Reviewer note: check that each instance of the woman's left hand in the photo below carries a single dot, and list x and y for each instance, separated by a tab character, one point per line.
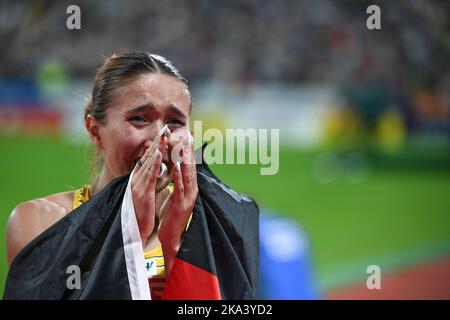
177	209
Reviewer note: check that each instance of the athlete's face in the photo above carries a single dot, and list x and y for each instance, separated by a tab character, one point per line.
135	117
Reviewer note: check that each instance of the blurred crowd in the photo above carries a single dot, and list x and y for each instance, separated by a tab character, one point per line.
287	40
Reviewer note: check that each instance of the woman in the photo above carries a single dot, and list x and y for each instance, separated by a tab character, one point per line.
134	97
199	238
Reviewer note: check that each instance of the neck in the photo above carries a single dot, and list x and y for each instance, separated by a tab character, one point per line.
101	181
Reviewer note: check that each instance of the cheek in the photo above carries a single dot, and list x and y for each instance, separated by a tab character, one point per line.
122	146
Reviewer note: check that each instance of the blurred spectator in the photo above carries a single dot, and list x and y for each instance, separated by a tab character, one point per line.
236	40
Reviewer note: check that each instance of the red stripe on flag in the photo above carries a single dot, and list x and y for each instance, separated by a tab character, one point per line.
188	282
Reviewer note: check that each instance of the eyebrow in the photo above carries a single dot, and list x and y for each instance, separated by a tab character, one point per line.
148	106
177	111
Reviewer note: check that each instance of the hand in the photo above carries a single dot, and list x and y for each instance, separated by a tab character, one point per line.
143	188
178	207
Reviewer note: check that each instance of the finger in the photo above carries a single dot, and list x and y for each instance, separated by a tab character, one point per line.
188	167
185	166
192	152
162	148
153	173
188	148
178	183
166	206
163	144
159	138
168	134
142	161
148	157
156	143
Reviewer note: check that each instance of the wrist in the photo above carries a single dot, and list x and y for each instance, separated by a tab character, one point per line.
170	251
144	234
171	244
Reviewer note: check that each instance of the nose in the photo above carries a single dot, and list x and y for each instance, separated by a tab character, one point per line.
152	133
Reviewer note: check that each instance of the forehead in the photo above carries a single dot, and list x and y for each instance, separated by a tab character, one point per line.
159	90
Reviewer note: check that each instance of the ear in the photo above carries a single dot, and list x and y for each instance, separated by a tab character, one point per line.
93	128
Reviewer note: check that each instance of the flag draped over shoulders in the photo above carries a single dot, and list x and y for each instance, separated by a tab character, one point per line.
218	257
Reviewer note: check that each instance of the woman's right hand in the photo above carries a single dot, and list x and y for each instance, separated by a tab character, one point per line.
143	186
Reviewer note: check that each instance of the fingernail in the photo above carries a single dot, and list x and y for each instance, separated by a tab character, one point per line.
158	154
177	166
163	131
162	169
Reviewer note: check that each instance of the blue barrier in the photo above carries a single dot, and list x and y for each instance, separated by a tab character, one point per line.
286	268
19	92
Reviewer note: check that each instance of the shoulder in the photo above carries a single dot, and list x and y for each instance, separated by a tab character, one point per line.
31	218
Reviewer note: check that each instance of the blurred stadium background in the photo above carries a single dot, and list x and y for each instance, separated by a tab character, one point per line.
363	116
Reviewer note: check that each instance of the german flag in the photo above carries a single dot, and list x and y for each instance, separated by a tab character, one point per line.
218	257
